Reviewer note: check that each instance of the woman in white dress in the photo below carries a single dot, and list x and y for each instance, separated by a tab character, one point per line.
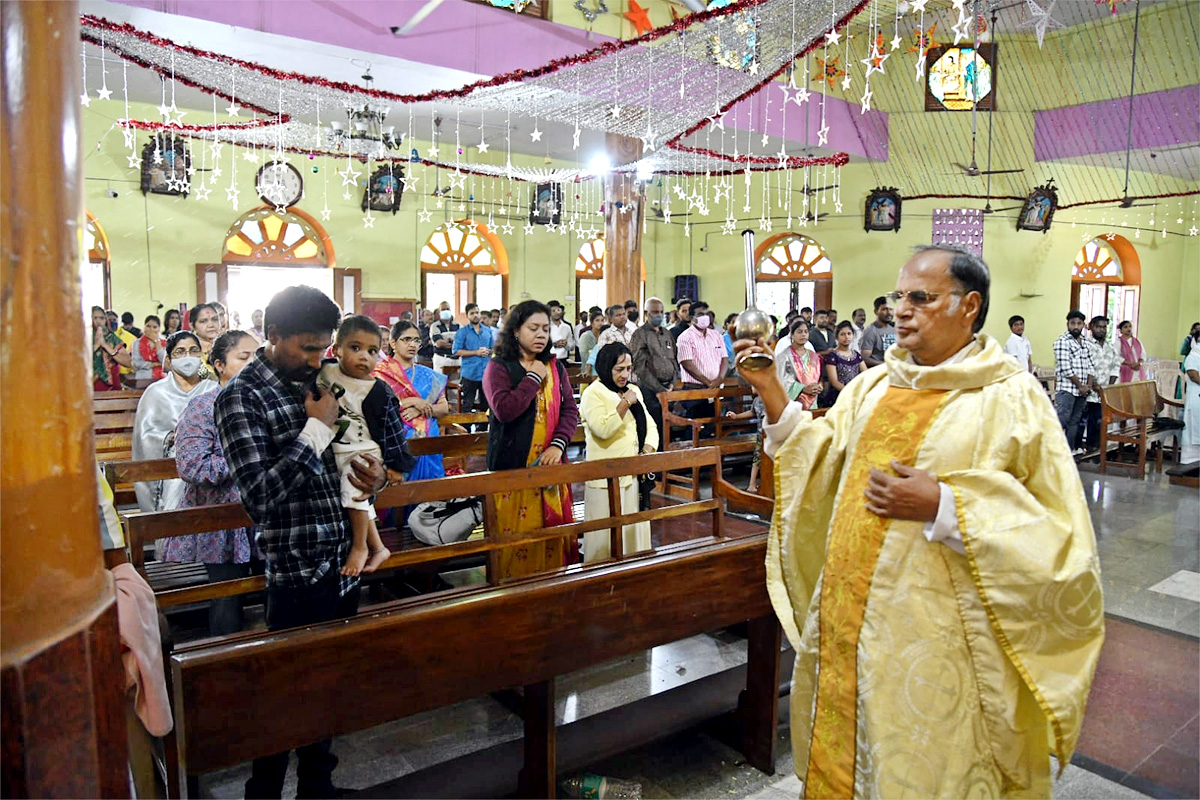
616	426
1191	404
157	413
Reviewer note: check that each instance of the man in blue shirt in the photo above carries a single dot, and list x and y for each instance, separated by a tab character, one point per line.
473	344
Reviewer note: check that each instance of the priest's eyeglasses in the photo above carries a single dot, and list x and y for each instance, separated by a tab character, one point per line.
918	297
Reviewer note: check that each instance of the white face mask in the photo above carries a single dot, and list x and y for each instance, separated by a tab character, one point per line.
447	316
187	366
703	322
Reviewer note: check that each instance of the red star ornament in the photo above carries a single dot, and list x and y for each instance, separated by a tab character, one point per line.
638	16
923	41
829	71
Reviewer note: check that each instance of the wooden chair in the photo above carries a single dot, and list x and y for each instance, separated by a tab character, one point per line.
1129	415
730	435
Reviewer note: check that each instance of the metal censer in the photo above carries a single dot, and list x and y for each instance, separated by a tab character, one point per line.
753	323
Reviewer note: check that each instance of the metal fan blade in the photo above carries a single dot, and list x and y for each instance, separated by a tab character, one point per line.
999	171
971	170
990	210
416	19
814	190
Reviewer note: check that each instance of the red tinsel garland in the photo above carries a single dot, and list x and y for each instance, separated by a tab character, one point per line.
260	122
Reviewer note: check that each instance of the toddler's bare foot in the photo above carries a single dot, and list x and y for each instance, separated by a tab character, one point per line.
355	561
378	557
752	488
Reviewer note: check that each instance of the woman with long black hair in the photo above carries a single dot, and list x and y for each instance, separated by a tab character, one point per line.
533	417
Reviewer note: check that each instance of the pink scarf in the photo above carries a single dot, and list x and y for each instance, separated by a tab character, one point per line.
1131	350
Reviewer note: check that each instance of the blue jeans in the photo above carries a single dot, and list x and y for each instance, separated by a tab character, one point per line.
1070	414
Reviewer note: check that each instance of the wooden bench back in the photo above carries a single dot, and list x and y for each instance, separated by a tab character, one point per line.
149	527
1138	399
271	692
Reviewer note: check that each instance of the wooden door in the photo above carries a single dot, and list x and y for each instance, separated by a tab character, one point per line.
347	290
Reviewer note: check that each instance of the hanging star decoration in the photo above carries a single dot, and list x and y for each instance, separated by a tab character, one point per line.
962	28
233	108
575	138
822	135
590	13
133	161
528	228
483	146
833	37
368	221
875	57
829	71
897	40
507	229
866	101
802	95
325	213
638	16
104	93
918	6
1193	231
424	215
203	192
349	175
846	83
1040	19
535	134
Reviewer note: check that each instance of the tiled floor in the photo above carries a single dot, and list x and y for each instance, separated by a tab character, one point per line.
1142	726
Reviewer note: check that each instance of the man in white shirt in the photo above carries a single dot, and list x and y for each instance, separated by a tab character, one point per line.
616	331
1108	368
859	320
631	316
1017	345
562	333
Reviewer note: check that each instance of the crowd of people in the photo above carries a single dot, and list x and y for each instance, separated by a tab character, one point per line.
306	415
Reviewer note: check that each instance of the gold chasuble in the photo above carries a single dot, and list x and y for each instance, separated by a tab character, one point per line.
920	672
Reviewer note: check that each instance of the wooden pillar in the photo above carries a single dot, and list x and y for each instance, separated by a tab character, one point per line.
758	705
63	706
623	214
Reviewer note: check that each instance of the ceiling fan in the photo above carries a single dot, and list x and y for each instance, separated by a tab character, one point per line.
658	213
811	190
972	170
1126	200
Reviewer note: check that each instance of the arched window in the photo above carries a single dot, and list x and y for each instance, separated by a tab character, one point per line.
264	251
794	271
96	269
589	275
1105	280
464	262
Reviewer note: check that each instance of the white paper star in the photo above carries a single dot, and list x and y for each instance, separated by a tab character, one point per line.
133	160
231	194
960	27
325	212
575	138
104	93
874	61
1193	231
866	101
837	206
164	110
528	228
483	146
666	214
822	135
176	116
753	68
1178	221
349	175
958	5
368	221
249	156
233	108
1040	19
203	192
216	173
918	6
615	111
802	95
507	229
921	61
535	134
896	41
833	37
191	171
846	83
457	180
346	195
130	136
551	228
562	230
649	140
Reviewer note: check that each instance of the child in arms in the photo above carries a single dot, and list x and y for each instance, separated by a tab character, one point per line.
368	422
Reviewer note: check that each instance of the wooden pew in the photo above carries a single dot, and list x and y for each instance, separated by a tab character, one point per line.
1129	415
255	694
112	421
731	435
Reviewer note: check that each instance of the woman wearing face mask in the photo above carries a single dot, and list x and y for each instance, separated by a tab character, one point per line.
533	417
617	426
201	464
800	367
159	410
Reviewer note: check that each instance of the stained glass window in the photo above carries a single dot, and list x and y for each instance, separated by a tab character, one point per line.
1097	261
961	78
458	246
266	236
794	257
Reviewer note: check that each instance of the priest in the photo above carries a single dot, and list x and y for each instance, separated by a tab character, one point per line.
932	561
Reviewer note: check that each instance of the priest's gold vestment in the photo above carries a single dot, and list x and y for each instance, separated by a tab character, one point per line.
921	672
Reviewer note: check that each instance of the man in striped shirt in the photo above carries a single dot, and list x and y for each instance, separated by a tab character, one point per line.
703	360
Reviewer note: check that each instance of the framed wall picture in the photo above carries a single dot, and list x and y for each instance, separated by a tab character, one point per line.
384	188
165	163
388	310
960	78
1039	209
882	210
546	208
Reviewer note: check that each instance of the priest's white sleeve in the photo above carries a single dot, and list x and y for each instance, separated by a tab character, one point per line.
776	434
944	527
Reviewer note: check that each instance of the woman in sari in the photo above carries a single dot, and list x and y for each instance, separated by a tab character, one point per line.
149	352
1133	355
157	413
205	473
109	354
799	367
533	418
421	391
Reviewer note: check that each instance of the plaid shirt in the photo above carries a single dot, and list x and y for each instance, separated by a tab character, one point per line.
292	493
1071	357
